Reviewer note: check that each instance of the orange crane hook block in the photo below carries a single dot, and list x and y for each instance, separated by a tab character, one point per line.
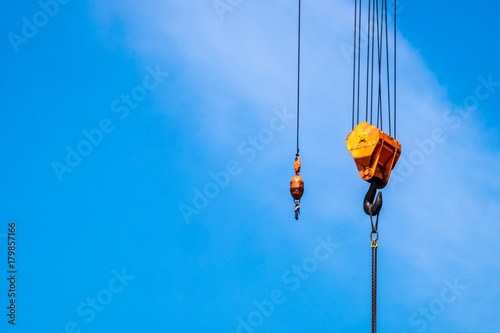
374	152
297	187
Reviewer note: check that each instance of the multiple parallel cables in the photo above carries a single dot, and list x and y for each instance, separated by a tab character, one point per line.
377	67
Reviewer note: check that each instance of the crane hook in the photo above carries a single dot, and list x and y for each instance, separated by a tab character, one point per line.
370	206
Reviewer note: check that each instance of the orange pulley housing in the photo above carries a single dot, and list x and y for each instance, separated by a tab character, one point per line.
374	152
297	184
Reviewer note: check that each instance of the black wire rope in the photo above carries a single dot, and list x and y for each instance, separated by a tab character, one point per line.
387	58
379	10
368	59
298	82
373	53
380	30
359	55
354	62
395	12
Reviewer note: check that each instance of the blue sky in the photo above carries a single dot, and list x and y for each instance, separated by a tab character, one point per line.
117	114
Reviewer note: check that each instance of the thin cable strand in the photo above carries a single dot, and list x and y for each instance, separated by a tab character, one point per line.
354	62
368	59
395	125
379	50
359	55
387	58
373	53
298	84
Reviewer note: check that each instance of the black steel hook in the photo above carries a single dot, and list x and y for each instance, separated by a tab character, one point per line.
370	206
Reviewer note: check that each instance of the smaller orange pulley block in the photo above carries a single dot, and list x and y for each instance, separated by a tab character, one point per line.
374	152
297	187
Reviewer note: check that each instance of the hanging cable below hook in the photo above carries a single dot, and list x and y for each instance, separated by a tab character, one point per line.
373	208
374	247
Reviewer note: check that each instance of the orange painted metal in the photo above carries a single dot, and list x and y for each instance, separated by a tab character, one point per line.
297	184
296	165
375	152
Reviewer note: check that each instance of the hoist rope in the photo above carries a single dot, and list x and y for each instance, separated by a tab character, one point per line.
354	62
368	58
387	58
377	16
359	53
380	29
373	53
298	82
395	12
375	4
